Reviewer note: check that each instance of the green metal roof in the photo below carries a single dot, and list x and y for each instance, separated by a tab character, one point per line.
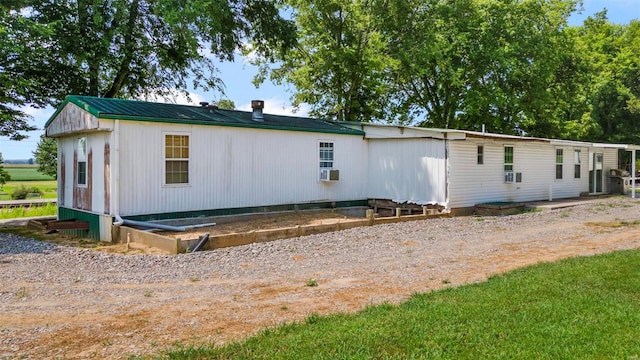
107	108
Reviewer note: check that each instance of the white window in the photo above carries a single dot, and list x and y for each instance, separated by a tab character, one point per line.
559	160
508	158
576	163
82	161
509	176
176	159
326	155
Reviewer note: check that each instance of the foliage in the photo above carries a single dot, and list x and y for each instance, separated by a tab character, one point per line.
514	66
613	92
124	48
21	43
22	192
23	212
49	189
469	63
4	175
339	65
588	306
46	155
226	104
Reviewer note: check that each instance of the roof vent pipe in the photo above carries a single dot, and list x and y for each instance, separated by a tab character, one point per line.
483	128
257	106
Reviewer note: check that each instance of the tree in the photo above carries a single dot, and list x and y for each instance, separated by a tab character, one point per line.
613	90
226	104
338	66
124	48
4	174
20	44
46	156
465	63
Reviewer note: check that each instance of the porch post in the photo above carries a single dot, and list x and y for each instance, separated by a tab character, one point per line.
633	173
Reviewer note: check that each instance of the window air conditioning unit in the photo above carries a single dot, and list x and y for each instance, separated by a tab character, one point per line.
329	175
509	177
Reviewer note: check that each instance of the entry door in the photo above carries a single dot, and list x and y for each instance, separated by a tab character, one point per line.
596	175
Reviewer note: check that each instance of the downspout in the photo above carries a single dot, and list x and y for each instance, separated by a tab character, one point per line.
446	173
116	174
633	173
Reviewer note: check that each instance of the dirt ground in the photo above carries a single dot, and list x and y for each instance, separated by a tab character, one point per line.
249	304
264	223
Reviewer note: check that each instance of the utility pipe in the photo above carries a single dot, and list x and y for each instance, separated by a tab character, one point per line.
153	225
116	175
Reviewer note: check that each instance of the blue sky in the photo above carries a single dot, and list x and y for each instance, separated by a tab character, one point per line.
237	77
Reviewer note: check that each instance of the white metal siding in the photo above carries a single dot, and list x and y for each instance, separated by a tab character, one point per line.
95	146
471	183
234	167
609	161
65	180
411	170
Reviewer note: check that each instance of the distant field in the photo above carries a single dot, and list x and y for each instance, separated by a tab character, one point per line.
24	172
28	175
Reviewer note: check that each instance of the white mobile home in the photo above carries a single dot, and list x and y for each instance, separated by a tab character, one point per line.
460	169
150	161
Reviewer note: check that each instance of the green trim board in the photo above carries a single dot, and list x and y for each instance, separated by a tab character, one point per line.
119	109
93	220
249	210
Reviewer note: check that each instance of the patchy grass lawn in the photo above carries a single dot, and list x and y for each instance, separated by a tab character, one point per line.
49	188
23	212
577	308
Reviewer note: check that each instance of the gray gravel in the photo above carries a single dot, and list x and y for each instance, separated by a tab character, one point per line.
44	278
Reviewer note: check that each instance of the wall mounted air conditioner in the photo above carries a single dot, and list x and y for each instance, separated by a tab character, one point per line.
329	175
509	177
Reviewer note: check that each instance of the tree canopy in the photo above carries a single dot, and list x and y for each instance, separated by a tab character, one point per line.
124	48
46	155
515	66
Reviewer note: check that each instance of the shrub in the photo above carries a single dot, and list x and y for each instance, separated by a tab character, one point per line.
21	192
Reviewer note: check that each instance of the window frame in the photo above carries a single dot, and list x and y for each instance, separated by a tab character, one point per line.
81	162
504	158
166	159
328	150
577	163
559	161
480	153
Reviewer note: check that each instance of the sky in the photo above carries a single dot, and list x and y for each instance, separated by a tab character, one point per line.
237	78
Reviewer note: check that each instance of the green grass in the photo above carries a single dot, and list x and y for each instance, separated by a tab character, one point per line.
25	173
21	212
581	308
49	188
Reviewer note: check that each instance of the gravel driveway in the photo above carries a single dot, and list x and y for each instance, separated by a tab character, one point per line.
63	302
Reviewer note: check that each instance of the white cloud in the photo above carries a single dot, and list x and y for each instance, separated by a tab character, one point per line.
278	106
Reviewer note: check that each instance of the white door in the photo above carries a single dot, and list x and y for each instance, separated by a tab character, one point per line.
596	173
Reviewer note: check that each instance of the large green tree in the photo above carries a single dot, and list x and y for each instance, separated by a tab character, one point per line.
613	89
465	63
339	64
46	155
126	48
21	78
4	174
